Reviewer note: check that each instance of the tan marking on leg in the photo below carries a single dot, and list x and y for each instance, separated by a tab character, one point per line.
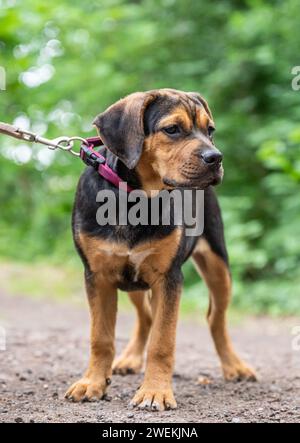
216	275
103	307
156	391
131	359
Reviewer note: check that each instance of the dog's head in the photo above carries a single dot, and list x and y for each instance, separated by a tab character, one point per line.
166	135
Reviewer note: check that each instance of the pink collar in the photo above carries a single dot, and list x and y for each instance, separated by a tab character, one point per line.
91	157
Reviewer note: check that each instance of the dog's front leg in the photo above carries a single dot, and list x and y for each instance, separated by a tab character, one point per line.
103	308
156	391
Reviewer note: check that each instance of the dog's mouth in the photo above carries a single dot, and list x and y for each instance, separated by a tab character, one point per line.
210	178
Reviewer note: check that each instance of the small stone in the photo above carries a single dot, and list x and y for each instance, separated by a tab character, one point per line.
19	420
204	381
236	420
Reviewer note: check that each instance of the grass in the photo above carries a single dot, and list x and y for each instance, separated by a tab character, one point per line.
60	283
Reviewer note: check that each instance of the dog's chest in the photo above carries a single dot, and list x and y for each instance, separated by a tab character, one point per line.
130	268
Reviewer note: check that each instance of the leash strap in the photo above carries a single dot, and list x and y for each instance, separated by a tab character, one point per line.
88	154
10	130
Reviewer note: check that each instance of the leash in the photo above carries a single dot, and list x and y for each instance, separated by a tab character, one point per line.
87	153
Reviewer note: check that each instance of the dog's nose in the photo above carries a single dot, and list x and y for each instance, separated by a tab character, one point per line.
212	156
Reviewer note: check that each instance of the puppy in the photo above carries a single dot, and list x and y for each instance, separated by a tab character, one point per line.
156	140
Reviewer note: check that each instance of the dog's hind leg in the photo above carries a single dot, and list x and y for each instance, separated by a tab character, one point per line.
216	274
131	359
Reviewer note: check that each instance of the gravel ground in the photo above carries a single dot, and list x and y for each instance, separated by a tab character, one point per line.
47	349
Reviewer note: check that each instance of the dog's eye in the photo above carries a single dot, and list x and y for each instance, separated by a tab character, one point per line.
210	131
171	130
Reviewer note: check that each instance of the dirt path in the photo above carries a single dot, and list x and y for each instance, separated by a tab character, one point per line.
47	345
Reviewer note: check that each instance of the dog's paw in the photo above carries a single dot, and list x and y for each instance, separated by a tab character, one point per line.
238	371
128	364
154	398
87	389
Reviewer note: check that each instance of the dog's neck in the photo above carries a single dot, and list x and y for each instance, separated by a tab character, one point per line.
148	176
127	175
143	176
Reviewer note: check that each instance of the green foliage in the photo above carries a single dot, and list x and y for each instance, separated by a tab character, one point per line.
67	60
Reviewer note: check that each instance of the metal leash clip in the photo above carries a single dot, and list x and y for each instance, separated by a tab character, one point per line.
64	143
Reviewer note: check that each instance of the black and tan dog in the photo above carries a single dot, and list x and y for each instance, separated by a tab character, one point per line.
156	140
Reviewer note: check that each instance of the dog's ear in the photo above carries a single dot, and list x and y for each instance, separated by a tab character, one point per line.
196	96
121	127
